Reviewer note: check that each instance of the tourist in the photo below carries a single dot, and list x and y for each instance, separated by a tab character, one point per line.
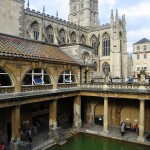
136	127
122	129
2	146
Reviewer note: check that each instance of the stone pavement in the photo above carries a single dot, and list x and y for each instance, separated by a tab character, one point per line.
41	140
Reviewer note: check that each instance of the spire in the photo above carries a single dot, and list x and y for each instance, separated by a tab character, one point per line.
116	14
57	14
43	9
28	4
112	17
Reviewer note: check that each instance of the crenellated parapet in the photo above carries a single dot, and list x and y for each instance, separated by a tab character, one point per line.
53	19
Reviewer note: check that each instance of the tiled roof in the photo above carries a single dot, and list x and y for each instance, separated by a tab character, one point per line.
11	46
142	41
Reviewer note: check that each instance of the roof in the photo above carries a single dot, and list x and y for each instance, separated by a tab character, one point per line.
17	47
142	41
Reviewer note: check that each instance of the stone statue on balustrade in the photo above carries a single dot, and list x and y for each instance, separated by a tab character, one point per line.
142	75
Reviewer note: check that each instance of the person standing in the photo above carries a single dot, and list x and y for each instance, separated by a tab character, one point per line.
136	128
122	129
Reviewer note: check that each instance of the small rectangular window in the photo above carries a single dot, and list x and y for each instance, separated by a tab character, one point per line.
144	48
138	56
138	48
145	56
145	68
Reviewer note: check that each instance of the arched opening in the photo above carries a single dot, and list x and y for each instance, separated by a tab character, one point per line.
99	114
50	34
62	36
106	68
5	79
130	115
36	76
83	39
35	30
106	45
95	66
73	37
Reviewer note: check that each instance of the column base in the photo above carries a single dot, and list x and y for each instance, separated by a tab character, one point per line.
78	124
105	132
141	139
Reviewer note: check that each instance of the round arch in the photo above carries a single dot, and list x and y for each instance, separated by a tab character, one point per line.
6	77
129	114
36	76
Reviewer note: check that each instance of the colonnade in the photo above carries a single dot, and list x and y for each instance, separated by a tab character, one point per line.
15	117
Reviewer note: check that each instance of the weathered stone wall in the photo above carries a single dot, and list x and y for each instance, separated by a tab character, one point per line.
11	16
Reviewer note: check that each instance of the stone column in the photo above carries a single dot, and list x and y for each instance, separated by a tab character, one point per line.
77	112
141	121
15	123
105	123
53	114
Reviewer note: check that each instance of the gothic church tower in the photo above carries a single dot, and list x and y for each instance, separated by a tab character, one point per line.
84	12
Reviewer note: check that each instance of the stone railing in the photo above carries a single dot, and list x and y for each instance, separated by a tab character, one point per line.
116	86
7	89
64	85
26	88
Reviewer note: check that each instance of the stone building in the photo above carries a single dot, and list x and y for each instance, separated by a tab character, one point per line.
141	55
46	65
103	43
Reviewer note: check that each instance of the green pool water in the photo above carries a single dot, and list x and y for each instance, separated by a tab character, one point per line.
88	142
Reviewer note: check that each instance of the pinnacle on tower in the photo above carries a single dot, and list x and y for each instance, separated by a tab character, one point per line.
116	14
112	16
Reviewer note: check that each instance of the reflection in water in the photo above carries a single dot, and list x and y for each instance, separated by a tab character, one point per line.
89	142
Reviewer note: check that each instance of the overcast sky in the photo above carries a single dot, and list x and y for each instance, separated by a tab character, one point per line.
137	14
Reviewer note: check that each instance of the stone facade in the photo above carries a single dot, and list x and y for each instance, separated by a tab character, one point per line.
141	55
107	41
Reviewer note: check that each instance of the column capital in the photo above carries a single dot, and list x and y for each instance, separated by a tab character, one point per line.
142	99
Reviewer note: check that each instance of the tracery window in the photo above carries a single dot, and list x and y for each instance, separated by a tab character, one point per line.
36	77
62	36
50	34
94	42
67	77
5	79
106	68
106	45
73	37
35	30
83	40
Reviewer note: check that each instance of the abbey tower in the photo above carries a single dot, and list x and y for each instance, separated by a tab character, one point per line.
84	12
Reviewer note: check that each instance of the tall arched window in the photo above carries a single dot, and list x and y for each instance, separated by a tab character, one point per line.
95	66
83	39
73	37
94	42
4	78
50	34
106	45
67	77
35	30
36	77
106	68
62	36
